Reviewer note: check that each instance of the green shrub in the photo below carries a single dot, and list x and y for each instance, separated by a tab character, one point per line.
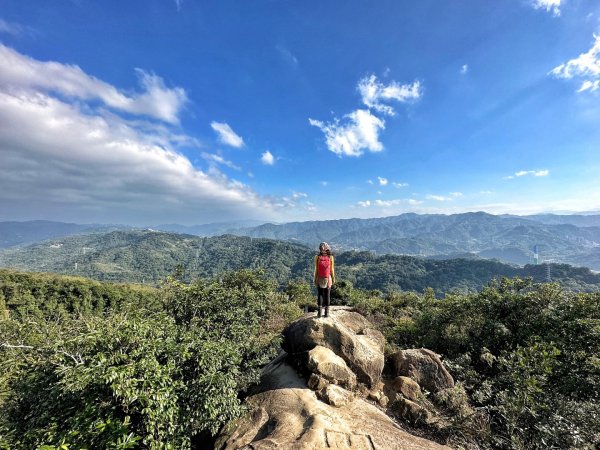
131	376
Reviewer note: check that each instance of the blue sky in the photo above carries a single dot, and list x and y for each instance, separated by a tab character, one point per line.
163	111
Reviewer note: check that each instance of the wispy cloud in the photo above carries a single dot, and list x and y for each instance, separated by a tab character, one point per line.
382	181
359	132
287	55
523	173
11	28
226	135
218	159
267	158
399	185
298	195
438	198
485	192
552	6
388	203
585	67
456	194
373	93
156	100
178	4
464	69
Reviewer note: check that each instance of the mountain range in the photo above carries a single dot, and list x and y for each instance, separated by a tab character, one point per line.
150	256
572	239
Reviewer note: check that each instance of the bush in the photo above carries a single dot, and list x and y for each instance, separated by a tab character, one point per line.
134	376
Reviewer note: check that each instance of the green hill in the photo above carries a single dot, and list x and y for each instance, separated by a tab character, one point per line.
149	257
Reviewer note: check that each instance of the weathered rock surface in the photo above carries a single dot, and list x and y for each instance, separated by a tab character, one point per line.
424	367
342	359
325	363
348	334
407	387
410	410
290	416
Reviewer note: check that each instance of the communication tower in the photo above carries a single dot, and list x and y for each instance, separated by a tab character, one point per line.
536	254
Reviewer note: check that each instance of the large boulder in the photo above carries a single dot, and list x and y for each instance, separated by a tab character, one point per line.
407	387
285	414
423	366
325	363
347	334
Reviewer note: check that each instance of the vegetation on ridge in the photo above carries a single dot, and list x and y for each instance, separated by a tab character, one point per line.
85	364
148	257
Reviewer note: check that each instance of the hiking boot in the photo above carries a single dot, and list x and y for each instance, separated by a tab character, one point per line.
327	311
319	314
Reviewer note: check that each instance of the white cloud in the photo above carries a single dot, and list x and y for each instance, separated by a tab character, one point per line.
456	194
549	5
464	69
535	173
586	67
226	135
373	93
267	158
178	4
211	157
359	133
388	203
486	192
62	158
324	183
360	129
399	185
439	198
299	195
20	72
382	181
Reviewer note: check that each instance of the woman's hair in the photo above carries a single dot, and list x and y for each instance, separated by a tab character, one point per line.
324	247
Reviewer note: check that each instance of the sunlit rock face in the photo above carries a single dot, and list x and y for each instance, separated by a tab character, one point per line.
324	391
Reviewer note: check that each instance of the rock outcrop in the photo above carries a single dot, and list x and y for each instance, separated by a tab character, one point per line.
314	395
424	367
346	333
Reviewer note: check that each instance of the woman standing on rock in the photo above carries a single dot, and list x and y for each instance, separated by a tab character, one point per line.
324	277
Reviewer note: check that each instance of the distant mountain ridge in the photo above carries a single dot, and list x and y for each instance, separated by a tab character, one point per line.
507	238
20	233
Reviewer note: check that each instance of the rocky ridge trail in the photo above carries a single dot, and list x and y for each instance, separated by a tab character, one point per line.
325	390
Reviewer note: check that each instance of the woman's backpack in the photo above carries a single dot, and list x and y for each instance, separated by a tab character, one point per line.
324	266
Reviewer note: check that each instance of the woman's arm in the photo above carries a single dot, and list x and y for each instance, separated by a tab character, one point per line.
332	270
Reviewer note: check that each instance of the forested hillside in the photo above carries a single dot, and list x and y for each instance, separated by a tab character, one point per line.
149	257
510	239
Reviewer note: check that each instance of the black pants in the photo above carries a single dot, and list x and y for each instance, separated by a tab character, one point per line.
323	295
